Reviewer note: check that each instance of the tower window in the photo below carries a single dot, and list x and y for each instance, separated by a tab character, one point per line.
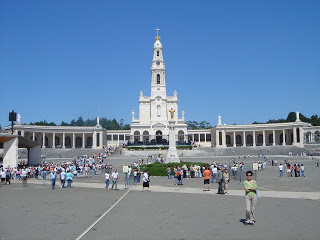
158	53
158	78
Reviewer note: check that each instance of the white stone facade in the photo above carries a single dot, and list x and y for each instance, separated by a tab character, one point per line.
64	136
152	126
290	133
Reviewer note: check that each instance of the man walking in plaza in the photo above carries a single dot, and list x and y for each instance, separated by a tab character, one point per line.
53	177
44	175
169	172
220	181
206	176
115	176
62	177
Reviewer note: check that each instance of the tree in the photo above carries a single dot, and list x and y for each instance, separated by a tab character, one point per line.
43	123
204	125
73	123
315	120
196	125
292	117
64	124
80	122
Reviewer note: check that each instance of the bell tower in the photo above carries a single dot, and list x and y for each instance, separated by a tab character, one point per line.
158	70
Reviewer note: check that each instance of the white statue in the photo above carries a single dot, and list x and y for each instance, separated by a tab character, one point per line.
158	110
175	93
298	117
183	114
219	123
98	121
19	119
141	94
133	114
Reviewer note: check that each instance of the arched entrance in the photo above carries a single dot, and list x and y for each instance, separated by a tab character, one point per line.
317	136
281	139
68	142
136	137
181	136
238	140
271	138
228	140
260	139
145	137
249	140
56	141
89	142
159	136
78	142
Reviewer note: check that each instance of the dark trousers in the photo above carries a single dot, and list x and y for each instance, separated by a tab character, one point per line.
220	188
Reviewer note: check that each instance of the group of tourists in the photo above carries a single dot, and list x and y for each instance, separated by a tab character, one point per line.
114	177
296	170
65	171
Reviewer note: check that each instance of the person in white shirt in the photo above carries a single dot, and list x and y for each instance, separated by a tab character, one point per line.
302	171
145	180
107	177
62	177
24	174
281	170
3	177
214	173
115	177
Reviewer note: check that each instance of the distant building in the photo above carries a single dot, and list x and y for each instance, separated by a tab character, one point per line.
152	125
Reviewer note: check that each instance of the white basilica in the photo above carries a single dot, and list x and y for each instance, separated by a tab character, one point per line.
152	125
151	128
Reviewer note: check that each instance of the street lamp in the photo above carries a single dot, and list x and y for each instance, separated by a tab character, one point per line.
12	119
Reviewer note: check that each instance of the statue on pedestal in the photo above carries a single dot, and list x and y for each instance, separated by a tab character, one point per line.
172	113
18	118
298	117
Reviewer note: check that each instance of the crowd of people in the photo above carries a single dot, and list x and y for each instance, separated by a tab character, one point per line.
296	170
66	170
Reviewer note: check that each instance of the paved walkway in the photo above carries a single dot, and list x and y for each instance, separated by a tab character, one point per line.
157	188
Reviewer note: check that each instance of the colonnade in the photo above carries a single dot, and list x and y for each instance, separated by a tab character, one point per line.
234	138
200	138
88	139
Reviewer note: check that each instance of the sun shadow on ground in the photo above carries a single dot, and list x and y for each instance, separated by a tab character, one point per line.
243	221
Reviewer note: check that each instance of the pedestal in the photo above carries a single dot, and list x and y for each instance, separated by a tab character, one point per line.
172	151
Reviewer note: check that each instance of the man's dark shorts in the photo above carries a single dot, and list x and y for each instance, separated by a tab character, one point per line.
206	181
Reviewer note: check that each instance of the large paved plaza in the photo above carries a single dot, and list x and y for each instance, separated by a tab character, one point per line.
289	209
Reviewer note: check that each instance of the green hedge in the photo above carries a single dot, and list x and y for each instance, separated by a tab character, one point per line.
159	169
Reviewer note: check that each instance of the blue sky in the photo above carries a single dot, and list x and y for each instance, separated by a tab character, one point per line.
244	60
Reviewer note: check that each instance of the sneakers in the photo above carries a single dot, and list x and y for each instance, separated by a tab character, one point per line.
248	222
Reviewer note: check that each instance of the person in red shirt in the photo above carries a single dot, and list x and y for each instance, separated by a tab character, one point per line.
206	176
178	173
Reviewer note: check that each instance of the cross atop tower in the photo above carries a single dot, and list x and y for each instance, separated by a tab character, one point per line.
157	31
